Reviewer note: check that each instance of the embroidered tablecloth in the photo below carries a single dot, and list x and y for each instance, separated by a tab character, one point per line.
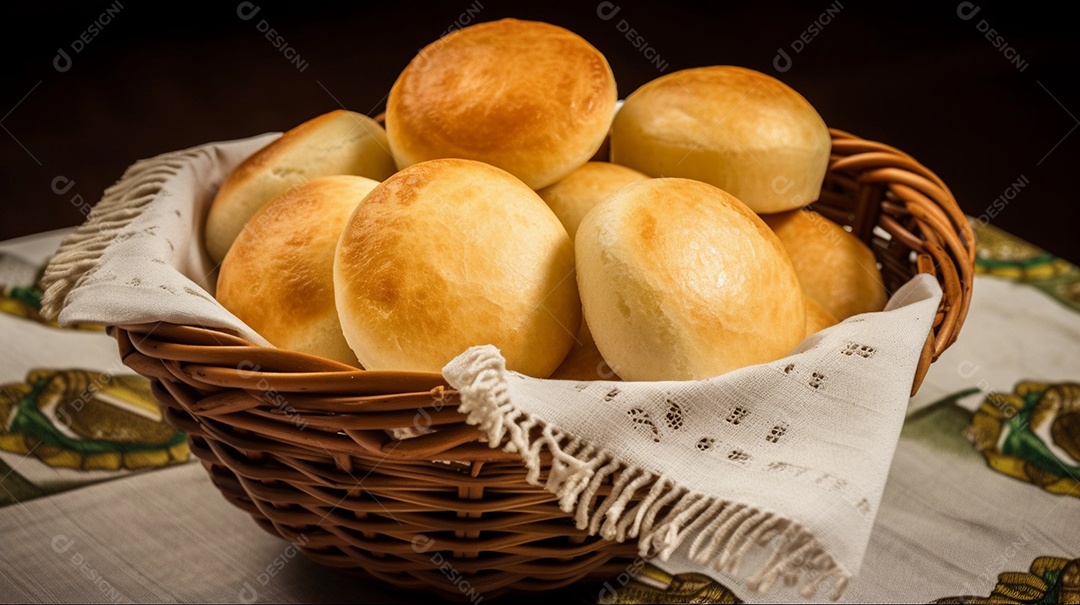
982	502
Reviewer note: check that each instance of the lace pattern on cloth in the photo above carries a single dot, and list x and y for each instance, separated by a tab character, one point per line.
785	461
770	483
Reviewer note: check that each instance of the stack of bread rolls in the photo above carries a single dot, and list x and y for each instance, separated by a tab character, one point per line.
476	217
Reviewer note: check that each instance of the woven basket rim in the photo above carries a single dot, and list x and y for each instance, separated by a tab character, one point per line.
945	249
280	475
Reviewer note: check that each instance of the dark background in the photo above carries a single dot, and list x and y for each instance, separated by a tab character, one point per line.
165	76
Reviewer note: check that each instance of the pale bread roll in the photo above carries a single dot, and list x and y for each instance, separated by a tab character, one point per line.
571	199
681	281
339	142
817	318
574	196
278	275
531	98
584	361
741	130
834	267
451	253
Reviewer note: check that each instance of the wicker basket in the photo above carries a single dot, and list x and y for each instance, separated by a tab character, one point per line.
301	442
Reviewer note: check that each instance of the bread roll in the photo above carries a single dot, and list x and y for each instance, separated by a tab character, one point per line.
531	98
681	281
741	130
451	253
584	361
834	267
817	318
339	142
571	199
574	196
278	275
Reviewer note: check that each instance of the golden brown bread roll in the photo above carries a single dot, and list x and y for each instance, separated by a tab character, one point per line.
741	130
452	253
817	318
571	199
574	196
339	142
278	275
681	281
531	98
834	267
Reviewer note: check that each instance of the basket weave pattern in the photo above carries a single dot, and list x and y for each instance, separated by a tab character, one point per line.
302	444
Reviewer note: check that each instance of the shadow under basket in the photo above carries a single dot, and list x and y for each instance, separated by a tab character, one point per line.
302	444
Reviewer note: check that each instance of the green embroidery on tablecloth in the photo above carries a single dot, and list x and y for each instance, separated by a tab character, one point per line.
22	298
649	584
63	428
1002	254
32	423
1032	434
1048	580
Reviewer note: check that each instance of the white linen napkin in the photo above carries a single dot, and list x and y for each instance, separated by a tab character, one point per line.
139	256
784	461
